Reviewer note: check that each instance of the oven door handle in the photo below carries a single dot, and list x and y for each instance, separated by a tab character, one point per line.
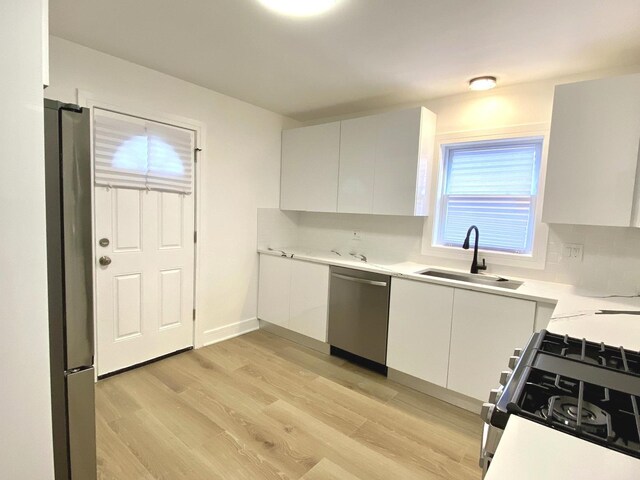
360	280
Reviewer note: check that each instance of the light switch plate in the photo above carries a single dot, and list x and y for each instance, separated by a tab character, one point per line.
572	252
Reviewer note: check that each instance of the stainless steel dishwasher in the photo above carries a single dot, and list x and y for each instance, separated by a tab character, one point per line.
359	313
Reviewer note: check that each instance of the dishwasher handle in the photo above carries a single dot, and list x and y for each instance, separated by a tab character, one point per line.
360	280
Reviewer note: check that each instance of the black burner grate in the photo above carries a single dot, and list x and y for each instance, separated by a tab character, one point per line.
613	358
599	414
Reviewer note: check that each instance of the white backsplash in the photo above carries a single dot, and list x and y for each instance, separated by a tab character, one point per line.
611	259
277	228
611	262
386	237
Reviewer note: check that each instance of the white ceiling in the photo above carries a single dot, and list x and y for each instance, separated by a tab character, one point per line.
364	54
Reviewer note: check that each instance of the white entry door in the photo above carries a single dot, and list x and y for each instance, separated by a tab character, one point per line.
145	281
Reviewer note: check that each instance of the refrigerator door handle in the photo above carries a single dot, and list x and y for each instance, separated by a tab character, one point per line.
76	218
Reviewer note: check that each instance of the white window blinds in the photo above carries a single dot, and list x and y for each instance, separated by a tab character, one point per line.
492	185
120	151
141	154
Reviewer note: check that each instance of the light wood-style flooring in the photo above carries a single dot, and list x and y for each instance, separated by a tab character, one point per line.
261	407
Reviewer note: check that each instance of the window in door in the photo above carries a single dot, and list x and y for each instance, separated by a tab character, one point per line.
131	152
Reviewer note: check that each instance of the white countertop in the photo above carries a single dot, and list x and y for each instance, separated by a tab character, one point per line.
530	451
535	290
575	315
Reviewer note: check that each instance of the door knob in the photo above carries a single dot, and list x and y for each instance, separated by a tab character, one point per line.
104	261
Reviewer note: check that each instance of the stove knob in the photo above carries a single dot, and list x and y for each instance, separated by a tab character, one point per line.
517	352
512	362
487	411
494	395
504	378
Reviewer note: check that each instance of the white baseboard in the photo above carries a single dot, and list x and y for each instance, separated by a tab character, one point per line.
215	335
303	340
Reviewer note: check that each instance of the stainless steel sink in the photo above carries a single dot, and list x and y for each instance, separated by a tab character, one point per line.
478	278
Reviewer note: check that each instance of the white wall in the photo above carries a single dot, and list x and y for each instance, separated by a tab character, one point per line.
240	170
611	255
25	408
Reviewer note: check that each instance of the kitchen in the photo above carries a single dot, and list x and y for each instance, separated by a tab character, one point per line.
263	322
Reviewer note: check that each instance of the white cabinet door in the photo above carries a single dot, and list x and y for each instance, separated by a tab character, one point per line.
593	152
358	146
485	330
310	162
399	171
309	299
420	329
45	43
274	290
385	162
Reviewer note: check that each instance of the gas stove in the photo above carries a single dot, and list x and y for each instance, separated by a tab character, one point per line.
585	389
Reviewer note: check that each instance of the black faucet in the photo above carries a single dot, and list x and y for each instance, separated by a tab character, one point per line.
474	264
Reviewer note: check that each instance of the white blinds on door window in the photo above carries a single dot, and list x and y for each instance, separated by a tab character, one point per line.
141	154
120	151
169	162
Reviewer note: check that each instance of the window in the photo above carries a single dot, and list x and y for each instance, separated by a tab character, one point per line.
493	185
134	153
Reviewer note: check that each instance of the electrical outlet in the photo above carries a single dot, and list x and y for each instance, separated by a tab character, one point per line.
356	235
572	252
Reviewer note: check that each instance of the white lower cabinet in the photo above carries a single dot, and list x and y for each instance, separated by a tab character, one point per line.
294	294
309	299
420	329
485	330
274	290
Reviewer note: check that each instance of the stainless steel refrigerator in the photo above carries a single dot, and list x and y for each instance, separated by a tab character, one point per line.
68	201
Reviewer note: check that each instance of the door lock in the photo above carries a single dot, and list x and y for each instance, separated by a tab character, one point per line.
104	242
104	261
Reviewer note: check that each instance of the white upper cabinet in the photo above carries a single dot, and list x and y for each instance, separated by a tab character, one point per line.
385	162
403	162
378	164
593	153
358	145
420	329
310	162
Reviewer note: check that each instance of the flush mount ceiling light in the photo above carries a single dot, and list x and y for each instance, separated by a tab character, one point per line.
482	83
299	8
